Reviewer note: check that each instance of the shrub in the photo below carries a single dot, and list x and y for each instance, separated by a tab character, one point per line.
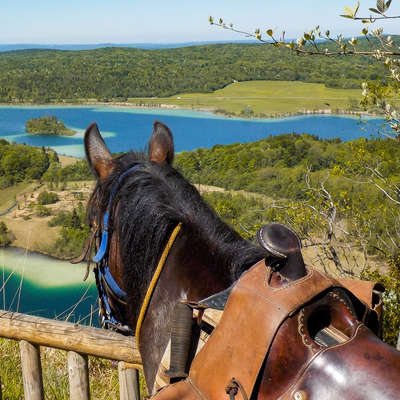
42	211
5	235
47	198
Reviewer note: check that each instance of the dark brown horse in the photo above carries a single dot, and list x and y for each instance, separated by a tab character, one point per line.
207	256
144	199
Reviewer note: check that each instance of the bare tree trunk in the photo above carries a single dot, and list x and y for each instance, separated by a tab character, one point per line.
398	342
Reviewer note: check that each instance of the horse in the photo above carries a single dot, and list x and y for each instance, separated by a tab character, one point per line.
152	229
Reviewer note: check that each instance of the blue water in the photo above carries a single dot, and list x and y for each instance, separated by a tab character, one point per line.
35	284
126	129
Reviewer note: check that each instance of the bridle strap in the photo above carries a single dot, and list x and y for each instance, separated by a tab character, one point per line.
106	283
104	237
154	281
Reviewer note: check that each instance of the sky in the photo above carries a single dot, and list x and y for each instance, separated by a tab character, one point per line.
171	21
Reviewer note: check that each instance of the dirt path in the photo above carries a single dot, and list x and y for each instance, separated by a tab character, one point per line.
32	232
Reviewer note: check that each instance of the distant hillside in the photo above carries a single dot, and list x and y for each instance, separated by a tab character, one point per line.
92	46
42	76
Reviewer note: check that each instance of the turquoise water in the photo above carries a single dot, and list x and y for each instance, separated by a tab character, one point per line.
130	128
36	284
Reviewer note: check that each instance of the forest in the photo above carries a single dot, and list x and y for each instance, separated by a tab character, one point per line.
109	74
19	163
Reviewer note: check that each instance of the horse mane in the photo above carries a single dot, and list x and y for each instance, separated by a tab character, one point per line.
150	202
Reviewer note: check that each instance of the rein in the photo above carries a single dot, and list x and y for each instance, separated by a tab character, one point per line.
107	287
154	281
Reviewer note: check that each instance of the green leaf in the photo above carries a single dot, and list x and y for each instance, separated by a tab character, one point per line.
307	36
270	32
387	5
210	19
380	5
374	10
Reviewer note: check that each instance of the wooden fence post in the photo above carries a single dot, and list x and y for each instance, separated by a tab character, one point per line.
398	343
31	371
78	376
128	382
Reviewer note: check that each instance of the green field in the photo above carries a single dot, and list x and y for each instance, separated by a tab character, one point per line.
8	195
269	98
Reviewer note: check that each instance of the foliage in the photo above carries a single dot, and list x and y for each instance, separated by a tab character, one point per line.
46	197
5	235
41	76
49	125
19	162
290	169
391	299
74	232
42	211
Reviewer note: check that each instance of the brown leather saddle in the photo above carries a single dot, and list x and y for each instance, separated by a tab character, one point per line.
291	338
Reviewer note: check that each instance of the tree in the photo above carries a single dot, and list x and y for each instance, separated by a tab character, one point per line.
6	236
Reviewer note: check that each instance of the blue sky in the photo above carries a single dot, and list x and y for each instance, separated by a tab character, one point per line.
162	21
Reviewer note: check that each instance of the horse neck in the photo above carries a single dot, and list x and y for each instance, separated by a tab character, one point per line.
212	266
193	271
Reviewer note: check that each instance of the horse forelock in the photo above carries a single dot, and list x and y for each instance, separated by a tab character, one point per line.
152	200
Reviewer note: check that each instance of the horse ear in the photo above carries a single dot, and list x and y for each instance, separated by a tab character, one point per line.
97	153
161	144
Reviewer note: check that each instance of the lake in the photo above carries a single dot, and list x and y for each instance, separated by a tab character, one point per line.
36	284
129	128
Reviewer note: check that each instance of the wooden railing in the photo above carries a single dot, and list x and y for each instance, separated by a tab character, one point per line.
79	341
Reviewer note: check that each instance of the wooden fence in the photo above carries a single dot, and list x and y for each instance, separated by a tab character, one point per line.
79	341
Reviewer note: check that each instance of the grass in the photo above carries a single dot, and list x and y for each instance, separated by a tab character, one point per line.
271	98
66	160
7	196
103	374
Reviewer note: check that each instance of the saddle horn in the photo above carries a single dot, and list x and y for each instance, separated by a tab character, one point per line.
284	247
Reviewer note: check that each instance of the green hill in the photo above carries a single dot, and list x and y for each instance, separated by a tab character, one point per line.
121	73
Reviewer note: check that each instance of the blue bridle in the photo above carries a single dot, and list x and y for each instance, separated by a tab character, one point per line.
104	237
105	282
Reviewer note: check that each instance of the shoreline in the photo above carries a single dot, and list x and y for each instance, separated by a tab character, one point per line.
216	112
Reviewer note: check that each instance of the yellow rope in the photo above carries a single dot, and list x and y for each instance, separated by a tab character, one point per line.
154	281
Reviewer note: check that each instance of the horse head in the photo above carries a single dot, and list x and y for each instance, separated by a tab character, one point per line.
288	331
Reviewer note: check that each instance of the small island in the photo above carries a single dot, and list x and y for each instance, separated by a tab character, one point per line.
47	125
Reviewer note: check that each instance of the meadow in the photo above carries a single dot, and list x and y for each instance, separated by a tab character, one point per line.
264	98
